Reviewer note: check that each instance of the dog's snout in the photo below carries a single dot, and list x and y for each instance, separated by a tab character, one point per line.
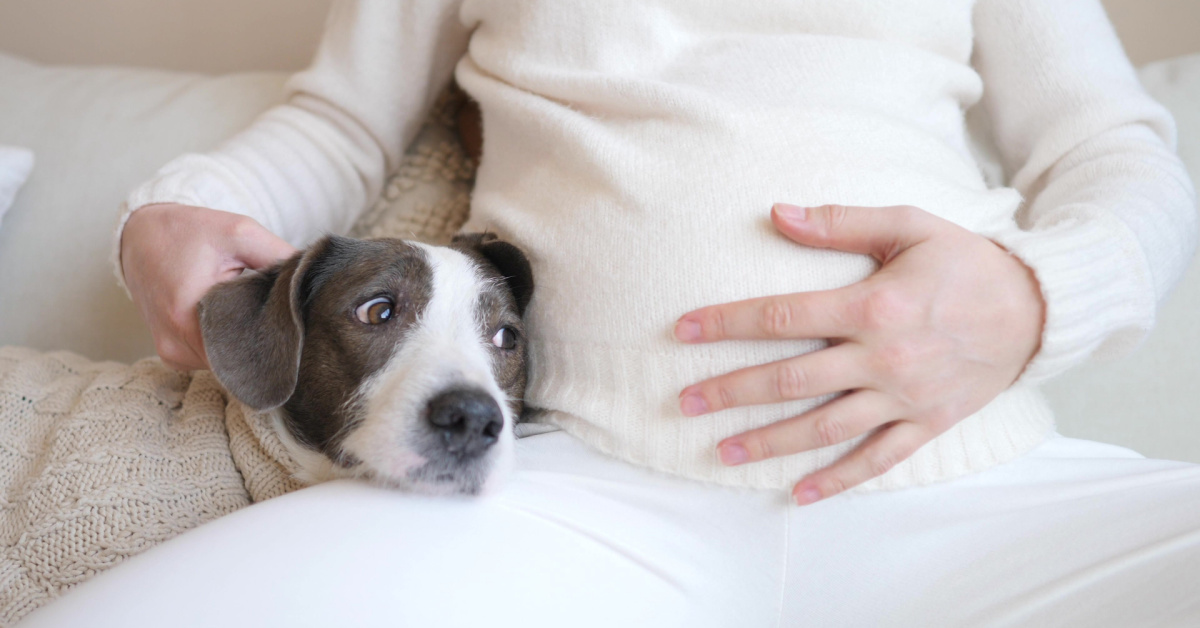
469	421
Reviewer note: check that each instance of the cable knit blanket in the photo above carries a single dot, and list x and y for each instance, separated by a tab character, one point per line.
101	461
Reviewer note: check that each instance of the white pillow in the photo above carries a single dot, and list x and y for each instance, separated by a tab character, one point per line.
15	166
96	132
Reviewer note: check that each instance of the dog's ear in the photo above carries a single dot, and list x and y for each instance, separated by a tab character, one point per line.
253	331
509	260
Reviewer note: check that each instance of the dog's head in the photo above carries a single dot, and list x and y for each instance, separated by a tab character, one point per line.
396	361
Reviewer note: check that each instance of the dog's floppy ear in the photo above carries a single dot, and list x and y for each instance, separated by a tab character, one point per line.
509	260
253	331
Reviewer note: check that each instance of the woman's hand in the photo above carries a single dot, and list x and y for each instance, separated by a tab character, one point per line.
947	323
172	254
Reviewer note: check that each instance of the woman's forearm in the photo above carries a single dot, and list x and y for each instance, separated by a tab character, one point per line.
311	164
1109	222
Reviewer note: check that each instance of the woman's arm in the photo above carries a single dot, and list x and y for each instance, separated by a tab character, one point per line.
1109	223
304	168
312	164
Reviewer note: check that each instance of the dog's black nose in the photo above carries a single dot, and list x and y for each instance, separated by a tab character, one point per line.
469	421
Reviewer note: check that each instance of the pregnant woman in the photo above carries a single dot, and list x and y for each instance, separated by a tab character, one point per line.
769	271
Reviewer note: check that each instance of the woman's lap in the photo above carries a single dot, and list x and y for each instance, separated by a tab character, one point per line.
573	540
1073	533
577	539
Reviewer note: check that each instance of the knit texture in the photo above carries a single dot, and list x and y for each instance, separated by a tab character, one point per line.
428	198
634	149
101	461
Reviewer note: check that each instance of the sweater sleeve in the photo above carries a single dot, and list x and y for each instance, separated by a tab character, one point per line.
312	164
1109	221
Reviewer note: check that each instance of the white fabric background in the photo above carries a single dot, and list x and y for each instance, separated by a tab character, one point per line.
15	165
96	134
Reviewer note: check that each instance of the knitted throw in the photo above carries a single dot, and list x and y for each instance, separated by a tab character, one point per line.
101	461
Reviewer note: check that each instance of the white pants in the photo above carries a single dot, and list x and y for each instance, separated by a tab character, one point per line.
1074	533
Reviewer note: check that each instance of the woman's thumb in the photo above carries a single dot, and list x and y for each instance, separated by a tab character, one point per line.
260	248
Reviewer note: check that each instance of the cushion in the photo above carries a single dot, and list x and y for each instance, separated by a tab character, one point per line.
97	132
15	166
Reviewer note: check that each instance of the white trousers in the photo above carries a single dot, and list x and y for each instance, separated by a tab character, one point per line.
1075	533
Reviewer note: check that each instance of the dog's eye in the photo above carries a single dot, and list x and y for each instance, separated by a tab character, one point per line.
505	338
375	311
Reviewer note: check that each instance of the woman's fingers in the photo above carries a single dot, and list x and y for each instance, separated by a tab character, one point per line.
823	314
948	322
876	455
172	255
256	247
831	370
837	421
176	328
180	356
881	232
170	325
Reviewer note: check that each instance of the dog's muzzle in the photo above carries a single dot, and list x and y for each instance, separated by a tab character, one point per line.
469	421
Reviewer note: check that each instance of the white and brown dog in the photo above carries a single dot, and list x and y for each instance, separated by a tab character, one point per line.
393	361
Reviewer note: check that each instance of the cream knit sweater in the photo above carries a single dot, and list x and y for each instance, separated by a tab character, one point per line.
634	148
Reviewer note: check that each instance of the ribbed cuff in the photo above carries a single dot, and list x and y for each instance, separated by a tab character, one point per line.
1097	288
182	182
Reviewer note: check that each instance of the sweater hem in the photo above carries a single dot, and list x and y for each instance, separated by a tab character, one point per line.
1013	424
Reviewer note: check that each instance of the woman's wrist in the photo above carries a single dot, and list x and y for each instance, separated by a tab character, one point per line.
1095	301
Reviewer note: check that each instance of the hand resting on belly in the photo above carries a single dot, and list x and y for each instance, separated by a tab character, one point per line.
947	323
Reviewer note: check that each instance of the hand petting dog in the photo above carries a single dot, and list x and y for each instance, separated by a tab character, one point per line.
172	254
947	323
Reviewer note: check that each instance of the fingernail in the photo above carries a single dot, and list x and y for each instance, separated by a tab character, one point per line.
791	213
693	405
732	454
806	496
687	330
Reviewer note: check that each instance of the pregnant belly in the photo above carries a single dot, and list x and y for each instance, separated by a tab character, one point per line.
629	229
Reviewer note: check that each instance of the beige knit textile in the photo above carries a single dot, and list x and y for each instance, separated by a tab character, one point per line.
101	461
428	197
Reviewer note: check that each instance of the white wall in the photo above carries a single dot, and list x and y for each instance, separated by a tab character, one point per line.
225	35
200	35
1156	29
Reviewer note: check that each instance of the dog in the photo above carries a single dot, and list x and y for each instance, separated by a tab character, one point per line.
399	363
395	362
